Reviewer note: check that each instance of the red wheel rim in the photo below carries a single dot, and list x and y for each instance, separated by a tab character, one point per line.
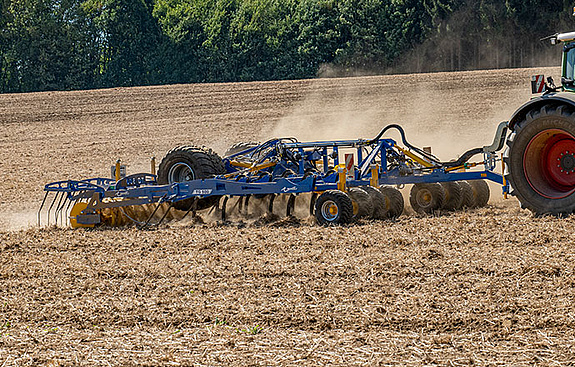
549	163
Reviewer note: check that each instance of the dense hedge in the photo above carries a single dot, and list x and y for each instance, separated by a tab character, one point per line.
72	44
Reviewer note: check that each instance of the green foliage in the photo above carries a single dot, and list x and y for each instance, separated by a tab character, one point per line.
76	44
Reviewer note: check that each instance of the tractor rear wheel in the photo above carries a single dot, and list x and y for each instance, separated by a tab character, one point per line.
541	161
186	163
426	197
333	207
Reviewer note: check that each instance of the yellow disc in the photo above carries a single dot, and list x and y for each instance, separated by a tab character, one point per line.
77	209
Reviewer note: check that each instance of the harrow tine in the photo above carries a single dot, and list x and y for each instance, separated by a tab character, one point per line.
164	216
41	206
290	205
240	204
59	208
51	205
224	208
153	213
70	203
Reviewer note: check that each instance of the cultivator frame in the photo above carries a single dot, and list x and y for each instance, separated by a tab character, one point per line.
278	166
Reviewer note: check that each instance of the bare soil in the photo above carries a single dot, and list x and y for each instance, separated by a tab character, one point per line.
491	286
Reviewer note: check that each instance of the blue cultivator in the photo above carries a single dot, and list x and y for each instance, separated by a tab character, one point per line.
191	178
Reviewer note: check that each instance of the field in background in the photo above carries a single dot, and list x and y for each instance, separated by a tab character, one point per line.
489	286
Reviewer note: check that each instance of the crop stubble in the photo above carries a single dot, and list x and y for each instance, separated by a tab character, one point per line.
487	286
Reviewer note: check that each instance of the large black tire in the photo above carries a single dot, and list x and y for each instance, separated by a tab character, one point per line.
394	203
185	163
378	201
361	201
238	147
453	196
333	207
480	193
541	161
467	196
426	197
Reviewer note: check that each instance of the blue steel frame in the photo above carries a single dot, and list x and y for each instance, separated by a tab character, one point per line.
288	167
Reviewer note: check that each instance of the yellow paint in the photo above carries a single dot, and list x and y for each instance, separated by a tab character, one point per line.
153	165
419	160
374	180
77	209
503	175
118	164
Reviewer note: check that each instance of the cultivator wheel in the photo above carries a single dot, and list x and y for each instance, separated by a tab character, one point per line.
426	197
467	195
379	204
333	207
480	193
239	147
453	195
186	163
393	201
541	160
361	202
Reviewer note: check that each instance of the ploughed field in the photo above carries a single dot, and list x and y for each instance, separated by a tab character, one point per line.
490	286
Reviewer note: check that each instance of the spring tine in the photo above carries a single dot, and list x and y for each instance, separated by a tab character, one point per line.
240	203
51	205
151	215
246	204
164	216
224	203
70	201
290	205
58	208
42	206
271	204
192	209
312	203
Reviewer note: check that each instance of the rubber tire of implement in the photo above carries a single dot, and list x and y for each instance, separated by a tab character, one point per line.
378	201
394	203
480	193
344	208
453	196
467	196
363	202
239	147
436	200
536	121
204	162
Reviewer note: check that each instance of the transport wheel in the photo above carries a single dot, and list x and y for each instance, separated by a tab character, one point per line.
361	201
426	197
186	163
378	201
467	196
393	201
480	193
541	160
333	207
453	196
238	147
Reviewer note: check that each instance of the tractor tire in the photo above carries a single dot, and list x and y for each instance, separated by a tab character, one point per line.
361	201
185	163
467	196
378	201
480	193
453	196
394	203
239	147
541	161
426	197
333	207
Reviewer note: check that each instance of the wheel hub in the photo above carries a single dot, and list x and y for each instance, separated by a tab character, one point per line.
549	163
329	210
424	198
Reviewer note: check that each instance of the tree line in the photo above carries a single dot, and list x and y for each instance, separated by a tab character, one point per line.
83	44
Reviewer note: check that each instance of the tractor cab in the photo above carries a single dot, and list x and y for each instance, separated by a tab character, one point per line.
538	84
